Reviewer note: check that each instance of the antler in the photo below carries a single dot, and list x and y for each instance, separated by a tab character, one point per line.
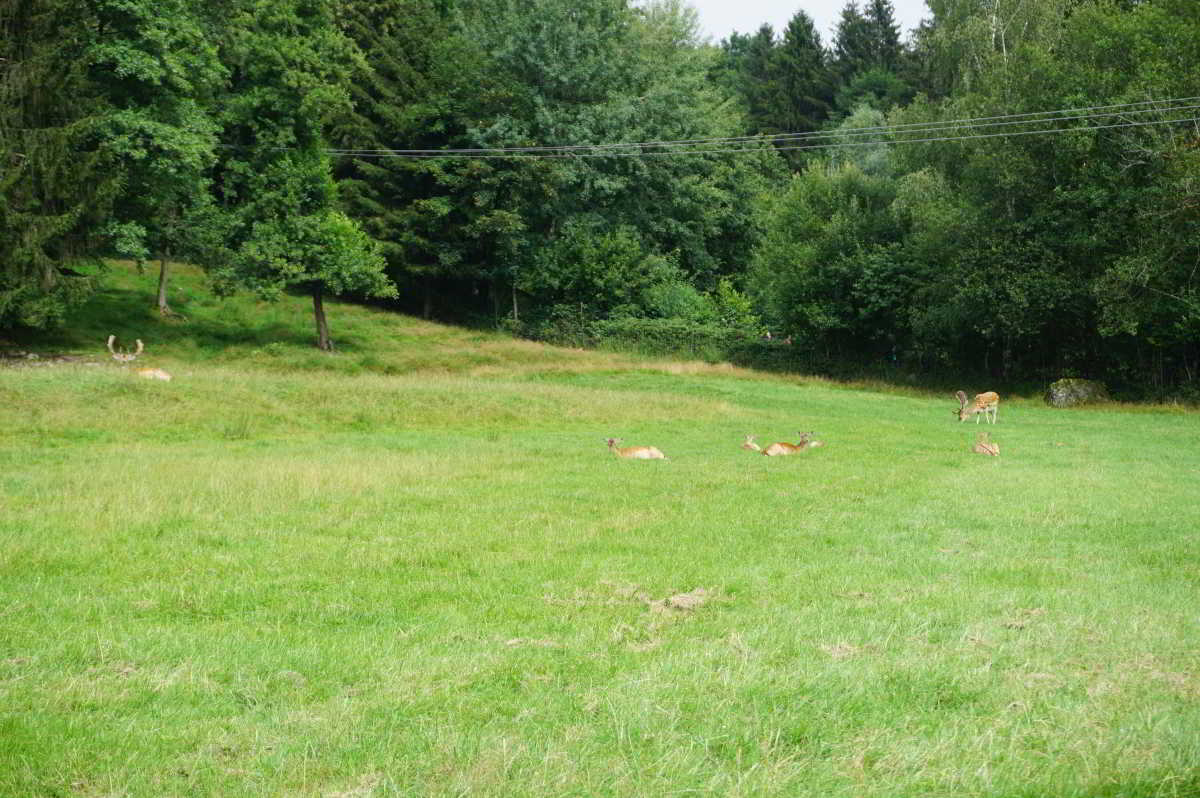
124	357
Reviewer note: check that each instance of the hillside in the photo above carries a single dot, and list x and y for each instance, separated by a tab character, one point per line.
411	567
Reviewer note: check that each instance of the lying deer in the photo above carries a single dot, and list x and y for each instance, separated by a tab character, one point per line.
154	374
986	403
750	444
129	357
635	452
781	448
984	446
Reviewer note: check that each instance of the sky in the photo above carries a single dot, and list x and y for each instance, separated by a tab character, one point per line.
719	18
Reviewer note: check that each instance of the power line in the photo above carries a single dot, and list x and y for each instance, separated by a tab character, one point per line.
820	146
915	127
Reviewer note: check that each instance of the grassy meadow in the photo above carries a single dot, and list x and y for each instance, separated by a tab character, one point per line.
412	568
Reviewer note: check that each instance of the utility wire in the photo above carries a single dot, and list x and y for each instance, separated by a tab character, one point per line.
820	146
1008	119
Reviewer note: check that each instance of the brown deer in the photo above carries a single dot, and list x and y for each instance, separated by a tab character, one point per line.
984	446
154	374
750	444
635	452
986	403
129	357
780	449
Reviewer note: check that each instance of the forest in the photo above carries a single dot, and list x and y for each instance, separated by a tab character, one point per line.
1011	190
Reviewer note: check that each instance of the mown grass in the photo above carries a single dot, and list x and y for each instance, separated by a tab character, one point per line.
412	568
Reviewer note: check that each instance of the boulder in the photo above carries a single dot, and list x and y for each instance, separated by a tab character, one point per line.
1073	391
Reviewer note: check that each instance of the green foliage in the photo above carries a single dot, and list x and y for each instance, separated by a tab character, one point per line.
104	139
829	238
877	87
1023	254
290	67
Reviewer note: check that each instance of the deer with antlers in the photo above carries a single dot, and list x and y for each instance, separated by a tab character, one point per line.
986	403
129	357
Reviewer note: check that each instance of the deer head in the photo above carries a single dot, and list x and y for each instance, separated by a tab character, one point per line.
123	357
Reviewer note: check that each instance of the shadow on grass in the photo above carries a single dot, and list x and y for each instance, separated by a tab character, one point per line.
206	325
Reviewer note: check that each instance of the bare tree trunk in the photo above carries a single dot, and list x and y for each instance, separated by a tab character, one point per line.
323	341
163	308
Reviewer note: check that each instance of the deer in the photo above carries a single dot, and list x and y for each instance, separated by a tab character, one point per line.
986	403
129	357
750	445
984	446
781	448
634	452
154	374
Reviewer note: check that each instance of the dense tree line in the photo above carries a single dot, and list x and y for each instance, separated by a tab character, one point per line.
259	139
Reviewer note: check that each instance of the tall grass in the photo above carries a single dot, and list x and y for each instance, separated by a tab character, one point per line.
423	574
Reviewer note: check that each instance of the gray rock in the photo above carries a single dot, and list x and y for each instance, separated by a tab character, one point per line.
1073	391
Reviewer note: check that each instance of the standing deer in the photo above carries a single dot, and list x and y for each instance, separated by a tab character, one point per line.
635	452
986	403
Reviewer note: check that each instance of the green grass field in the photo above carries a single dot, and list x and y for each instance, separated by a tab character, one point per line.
412	568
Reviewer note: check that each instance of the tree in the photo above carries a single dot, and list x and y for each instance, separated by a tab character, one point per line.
806	91
760	81
277	201
553	72
885	34
160	127
413	62
105	139
854	43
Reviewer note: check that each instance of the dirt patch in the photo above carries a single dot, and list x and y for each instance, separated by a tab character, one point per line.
529	641
841	650
20	359
682	602
1024	618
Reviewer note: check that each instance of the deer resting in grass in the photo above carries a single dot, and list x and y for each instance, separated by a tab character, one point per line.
781	448
984	446
129	357
635	452
750	444
986	403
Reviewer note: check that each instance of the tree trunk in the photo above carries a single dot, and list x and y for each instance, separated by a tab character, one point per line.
163	308
323	341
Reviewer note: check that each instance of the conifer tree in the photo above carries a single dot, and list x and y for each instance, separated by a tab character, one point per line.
805	90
